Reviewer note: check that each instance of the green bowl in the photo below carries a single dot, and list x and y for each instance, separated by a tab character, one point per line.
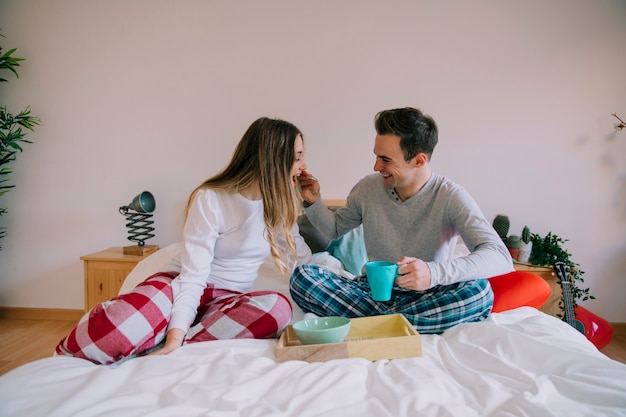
322	330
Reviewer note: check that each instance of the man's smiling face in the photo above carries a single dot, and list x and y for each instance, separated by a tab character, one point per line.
390	163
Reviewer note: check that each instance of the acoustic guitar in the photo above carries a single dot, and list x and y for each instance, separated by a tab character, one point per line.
562	271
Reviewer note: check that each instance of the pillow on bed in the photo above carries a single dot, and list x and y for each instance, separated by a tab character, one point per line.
349	249
518	289
149	266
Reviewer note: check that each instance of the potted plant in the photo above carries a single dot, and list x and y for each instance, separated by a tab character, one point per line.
513	243
11	129
548	250
501	224
526	246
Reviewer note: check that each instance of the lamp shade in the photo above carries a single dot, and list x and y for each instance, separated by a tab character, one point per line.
143	203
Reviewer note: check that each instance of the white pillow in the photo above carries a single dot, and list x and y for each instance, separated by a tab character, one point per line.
269	277
149	266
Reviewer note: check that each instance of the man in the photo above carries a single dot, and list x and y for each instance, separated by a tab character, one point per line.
411	216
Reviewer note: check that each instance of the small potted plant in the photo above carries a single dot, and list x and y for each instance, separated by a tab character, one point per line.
501	224
513	244
548	250
526	246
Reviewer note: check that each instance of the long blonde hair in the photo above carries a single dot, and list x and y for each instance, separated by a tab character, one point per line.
266	154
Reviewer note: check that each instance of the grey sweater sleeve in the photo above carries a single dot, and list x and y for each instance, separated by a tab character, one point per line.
488	255
327	222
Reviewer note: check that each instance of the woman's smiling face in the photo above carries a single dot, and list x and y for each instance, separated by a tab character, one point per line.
299	164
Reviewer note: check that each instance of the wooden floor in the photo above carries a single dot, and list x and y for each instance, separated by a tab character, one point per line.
23	341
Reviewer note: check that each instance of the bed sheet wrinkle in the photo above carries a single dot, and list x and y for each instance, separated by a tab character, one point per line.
522	342
368	407
206	380
66	371
485	388
510	359
253	381
317	388
267	388
409	386
267	393
442	409
471	363
184	382
88	390
531	322
593	390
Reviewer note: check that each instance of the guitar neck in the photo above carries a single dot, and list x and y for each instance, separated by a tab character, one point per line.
568	302
566	287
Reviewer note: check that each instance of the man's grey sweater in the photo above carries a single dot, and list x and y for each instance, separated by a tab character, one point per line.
425	226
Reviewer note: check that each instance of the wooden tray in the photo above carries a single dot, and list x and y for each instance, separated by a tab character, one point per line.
377	337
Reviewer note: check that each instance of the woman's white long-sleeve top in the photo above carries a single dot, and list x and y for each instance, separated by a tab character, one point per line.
224	244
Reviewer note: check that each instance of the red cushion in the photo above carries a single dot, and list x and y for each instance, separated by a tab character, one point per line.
517	289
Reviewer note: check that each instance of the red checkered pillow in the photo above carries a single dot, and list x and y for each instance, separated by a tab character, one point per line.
129	324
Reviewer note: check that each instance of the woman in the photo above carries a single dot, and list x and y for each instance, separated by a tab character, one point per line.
234	220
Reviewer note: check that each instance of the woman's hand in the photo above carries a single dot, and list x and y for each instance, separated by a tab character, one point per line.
413	274
173	340
309	187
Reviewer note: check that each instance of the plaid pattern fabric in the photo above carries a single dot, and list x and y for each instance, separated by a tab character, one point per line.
228	314
126	325
135	323
324	293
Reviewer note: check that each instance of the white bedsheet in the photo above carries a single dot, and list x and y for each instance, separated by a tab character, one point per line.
517	363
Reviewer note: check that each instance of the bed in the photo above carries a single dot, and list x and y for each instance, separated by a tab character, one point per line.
519	362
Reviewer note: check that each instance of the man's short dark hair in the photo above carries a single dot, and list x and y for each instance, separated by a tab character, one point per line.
417	131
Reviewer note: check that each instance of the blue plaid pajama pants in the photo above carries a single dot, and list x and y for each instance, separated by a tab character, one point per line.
319	291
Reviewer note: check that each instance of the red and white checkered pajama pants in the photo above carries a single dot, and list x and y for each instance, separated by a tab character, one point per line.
134	323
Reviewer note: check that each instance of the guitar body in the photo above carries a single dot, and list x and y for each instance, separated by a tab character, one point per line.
596	329
578	325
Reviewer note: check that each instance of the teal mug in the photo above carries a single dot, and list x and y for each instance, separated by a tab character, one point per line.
381	276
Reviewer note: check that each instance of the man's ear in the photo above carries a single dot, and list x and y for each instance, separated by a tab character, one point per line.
420	160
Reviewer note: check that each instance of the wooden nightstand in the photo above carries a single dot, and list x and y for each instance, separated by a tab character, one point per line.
105	272
551	306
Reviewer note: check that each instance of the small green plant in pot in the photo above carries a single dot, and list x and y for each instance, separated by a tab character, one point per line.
501	224
548	250
526	246
513	244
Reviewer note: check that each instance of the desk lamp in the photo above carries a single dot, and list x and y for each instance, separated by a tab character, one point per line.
138	215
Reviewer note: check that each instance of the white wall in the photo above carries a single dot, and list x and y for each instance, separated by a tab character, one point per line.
153	95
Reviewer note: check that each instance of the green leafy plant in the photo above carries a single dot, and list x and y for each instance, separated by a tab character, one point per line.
12	131
548	250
